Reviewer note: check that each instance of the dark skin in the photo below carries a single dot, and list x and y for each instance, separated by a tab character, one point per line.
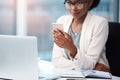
64	40
101	67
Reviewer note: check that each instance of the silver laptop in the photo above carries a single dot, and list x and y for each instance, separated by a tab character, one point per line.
18	58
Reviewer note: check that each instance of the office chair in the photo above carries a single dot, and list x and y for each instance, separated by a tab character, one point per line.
113	48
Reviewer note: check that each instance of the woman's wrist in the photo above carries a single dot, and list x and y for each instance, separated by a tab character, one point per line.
73	51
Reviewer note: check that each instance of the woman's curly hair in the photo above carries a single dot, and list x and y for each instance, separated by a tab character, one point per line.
95	4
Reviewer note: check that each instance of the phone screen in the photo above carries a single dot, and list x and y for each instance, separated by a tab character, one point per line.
57	26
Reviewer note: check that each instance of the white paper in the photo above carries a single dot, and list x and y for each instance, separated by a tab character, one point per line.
97	74
72	74
85	73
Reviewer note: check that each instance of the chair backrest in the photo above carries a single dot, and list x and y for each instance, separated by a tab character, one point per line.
113	48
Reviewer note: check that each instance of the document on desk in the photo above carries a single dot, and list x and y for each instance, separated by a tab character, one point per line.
72	74
97	74
86	74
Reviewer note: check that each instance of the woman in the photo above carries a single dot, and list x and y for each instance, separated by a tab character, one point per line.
81	45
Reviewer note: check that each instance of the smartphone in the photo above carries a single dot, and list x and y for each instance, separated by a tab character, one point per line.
57	26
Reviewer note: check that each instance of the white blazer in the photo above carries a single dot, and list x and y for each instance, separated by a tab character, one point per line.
92	44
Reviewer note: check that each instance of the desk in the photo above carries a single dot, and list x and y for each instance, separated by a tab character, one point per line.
48	68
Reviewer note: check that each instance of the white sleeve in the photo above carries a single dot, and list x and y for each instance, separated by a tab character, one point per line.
96	48
60	60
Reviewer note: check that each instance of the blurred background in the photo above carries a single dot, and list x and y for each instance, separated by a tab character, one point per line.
34	18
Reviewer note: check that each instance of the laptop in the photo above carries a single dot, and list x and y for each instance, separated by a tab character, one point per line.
18	58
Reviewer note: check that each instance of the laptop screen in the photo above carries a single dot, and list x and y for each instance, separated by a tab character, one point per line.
18	57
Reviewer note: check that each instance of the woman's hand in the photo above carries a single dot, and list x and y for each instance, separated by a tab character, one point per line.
101	67
64	40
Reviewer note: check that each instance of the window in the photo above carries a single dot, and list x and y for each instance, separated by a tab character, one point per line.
105	9
7	17
119	11
41	13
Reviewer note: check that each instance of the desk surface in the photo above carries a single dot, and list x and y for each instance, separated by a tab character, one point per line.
46	67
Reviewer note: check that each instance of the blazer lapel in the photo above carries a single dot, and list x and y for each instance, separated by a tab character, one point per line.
68	23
